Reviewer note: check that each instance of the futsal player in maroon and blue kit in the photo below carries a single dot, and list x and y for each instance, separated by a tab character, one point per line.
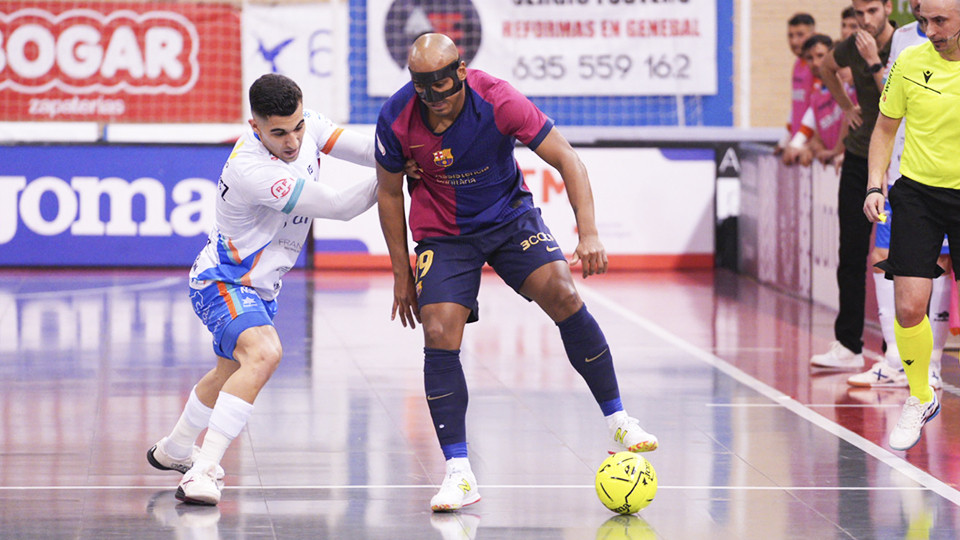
468	207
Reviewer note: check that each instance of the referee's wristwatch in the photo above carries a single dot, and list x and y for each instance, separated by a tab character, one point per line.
874	68
873	190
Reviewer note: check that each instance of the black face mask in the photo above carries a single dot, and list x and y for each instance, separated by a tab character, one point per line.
426	81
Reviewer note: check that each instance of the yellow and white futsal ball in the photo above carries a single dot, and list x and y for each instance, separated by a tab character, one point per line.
626	482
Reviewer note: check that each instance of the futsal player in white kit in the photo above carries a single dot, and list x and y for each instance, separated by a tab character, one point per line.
269	194
889	372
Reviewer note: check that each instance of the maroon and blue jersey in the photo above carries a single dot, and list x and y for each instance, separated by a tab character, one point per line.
469	180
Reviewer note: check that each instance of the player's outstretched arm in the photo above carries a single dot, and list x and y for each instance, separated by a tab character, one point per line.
353	147
322	201
391	208
556	151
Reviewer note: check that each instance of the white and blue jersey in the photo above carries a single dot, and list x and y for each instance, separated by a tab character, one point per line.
258	235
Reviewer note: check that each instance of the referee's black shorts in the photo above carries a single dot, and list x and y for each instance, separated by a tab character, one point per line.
924	214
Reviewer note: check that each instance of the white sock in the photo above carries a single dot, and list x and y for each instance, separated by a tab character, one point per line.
193	420
940	317
458	464
616	419
887	313
229	416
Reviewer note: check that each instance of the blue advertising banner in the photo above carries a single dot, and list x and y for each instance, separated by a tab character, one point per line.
97	205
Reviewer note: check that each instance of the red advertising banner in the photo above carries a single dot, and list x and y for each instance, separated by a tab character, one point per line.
120	61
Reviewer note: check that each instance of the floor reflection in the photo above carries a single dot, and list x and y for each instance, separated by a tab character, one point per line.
94	368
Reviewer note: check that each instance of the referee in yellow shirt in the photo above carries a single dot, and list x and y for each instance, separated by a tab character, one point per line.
923	87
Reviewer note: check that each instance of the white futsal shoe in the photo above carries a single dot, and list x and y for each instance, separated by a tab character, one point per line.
914	416
838	357
459	488
628	434
160	459
202	484
881	374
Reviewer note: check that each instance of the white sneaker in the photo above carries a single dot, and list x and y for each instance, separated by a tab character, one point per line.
934	377
459	489
915	414
201	484
838	357
629	435
881	374
160	459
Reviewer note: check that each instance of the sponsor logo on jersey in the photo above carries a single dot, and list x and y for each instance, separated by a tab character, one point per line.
281	188
380	147
443	158
536	239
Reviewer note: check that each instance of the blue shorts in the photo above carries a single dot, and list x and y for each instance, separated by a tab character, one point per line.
882	235
449	267
228	310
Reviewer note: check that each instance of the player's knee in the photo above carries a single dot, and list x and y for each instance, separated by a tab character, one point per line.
435	335
563	301
263	359
909	316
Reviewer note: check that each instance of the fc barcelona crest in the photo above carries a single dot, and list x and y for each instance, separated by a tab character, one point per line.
443	158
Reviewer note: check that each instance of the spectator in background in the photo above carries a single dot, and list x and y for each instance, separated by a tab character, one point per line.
822	130
889	372
848	23
800	27
865	52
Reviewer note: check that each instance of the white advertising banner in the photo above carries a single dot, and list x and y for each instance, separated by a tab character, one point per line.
825	242
556	48
308	43
648	201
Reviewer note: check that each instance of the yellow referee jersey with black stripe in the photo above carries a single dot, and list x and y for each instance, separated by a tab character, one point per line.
925	89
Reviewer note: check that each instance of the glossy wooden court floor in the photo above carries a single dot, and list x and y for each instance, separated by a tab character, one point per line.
94	368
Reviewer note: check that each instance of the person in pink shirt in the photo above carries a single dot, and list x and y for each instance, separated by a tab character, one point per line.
827	114
821	132
800	27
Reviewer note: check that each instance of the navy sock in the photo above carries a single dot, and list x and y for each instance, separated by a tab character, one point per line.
454	450
610	407
589	354
446	390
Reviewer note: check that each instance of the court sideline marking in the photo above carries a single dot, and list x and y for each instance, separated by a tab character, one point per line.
259	487
897	463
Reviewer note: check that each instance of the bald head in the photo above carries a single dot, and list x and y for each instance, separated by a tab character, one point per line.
431	52
435	68
937	7
941	22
